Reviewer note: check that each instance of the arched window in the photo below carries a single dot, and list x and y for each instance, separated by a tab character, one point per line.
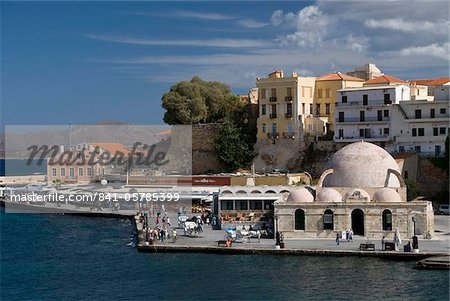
328	220
387	220
299	219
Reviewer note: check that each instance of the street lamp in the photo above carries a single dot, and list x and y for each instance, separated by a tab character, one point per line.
414	224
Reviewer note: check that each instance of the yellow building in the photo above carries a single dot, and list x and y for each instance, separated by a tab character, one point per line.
284	103
325	97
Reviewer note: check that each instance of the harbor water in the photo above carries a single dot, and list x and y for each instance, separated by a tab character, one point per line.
60	257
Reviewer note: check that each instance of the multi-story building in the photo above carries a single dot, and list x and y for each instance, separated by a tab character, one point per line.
366	72
432	83
325	96
389	116
284	103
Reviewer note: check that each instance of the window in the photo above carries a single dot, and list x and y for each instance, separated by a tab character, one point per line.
263	93
386	113
365	99
241	205
432	113
63	172
263	109
319	93
264	128
386	131
289	91
442	111
89	172
273	92
318	109
341	133
417	148
362	115
421	132
327	93
418	114
327	109
401	149
387	220
414	132
299	219
441	131
289	128
256	205
387	99
341	116
310	108
435	131
80	171
361	132
289	108
274	109
303	91
379	115
437	150
72	172
344	98
274	128
53	172
268	205
226	205
328	223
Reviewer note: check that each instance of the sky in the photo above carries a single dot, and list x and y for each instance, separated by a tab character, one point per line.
83	62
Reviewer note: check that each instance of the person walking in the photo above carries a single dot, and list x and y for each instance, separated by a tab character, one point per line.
337	238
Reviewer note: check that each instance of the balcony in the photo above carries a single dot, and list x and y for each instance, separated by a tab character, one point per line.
273	99
273	135
288	115
287	135
288	98
416	139
382	138
358	120
371	103
273	115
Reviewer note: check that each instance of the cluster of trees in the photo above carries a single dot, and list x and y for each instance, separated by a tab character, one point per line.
198	101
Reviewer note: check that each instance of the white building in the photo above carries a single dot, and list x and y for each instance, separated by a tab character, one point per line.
387	115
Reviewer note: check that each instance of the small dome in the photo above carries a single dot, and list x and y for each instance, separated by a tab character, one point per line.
387	195
328	195
362	164
357	195
300	195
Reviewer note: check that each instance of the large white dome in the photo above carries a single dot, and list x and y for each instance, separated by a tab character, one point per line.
300	195
362	164
328	195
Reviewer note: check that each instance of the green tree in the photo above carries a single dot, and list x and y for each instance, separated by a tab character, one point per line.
199	101
232	148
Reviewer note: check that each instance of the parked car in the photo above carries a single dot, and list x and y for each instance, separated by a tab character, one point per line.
444	209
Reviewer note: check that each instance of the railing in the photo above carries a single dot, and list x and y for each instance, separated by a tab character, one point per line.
273	99
273	115
288	135
374	103
365	120
288	98
273	135
288	115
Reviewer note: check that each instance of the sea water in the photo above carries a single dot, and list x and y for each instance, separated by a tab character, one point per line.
61	257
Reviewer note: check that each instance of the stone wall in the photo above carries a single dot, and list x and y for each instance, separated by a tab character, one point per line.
204	157
430	178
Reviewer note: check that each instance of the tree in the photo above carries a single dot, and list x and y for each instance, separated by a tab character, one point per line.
231	146
199	101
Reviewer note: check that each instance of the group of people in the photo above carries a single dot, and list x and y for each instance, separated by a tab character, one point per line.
348	236
162	230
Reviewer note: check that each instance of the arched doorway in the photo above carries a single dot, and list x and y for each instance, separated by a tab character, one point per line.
358	222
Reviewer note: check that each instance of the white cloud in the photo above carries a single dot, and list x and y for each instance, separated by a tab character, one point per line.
202	15
436	50
399	24
249	23
227	43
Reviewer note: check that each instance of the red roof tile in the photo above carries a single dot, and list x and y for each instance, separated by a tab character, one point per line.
339	76
431	81
385	79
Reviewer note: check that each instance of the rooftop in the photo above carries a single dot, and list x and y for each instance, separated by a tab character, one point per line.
385	79
339	76
431	81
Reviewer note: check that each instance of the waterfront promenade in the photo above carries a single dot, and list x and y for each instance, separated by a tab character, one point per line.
207	242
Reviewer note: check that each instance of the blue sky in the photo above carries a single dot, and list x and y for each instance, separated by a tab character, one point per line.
82	62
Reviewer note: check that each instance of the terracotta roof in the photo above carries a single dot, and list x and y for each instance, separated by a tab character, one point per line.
431	81
112	148
165	132
403	155
339	76
385	79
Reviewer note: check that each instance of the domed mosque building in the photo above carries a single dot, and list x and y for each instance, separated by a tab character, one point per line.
363	190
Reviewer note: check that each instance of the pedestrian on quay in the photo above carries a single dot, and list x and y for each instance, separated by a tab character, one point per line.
347	234
162	234
168	221
350	235
382	243
337	238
